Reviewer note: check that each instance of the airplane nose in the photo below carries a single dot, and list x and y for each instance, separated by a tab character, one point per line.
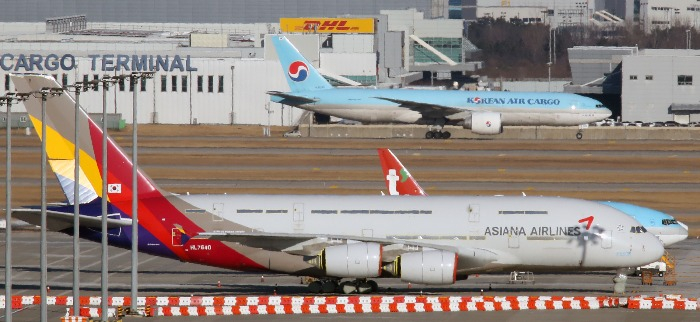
605	113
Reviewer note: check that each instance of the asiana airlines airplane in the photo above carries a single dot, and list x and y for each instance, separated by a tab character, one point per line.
345	241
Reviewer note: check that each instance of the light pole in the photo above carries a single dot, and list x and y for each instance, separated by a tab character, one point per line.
8	100
77	89
549	76
44	94
135	77
106	81
687	39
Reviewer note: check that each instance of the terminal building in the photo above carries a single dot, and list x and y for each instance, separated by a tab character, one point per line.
219	73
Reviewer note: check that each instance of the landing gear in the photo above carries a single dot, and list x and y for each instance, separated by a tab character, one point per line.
620	281
323	286
579	135
434	134
358	286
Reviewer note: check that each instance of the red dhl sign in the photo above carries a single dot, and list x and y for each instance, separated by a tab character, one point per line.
328	25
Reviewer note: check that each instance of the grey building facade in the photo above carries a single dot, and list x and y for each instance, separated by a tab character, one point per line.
207	11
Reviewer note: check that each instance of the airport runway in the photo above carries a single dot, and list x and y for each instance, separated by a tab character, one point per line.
165	277
658	174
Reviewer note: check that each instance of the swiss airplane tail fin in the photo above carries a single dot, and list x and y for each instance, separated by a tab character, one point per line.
300	74
397	178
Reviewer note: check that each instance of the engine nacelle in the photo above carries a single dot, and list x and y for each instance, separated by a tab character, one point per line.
484	123
357	260
428	267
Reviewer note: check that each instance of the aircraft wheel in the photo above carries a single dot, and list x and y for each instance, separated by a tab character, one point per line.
315	287
661	274
437	135
579	135
374	285
348	287
446	135
329	287
429	135
364	288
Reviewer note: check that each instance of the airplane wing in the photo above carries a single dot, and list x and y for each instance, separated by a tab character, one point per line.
427	110
57	220
312	245
292	99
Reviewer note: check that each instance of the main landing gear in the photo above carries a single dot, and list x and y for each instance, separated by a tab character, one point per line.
358	286
436	132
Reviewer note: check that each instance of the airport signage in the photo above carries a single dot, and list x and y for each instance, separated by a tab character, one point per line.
328	25
104	63
512	101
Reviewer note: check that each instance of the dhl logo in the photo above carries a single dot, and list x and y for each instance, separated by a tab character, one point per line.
327	25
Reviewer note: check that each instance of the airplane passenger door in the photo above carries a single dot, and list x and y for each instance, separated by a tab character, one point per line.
177	237
514	241
606	239
217	211
298	217
473	212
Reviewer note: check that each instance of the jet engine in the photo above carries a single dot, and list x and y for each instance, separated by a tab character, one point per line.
484	123
428	267
357	260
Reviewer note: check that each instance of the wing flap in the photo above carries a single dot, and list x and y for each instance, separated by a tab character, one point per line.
57	220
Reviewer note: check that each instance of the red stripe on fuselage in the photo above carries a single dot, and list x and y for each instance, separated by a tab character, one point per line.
156	213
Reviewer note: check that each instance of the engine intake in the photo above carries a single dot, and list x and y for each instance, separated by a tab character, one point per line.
484	123
428	267
357	260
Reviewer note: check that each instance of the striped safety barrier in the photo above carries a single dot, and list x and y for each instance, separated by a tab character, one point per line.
666	302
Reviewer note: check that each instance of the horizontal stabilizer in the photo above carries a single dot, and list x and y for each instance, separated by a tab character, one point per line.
296	99
57	220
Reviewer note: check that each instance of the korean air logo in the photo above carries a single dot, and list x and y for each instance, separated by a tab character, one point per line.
477	100
488	123
298	71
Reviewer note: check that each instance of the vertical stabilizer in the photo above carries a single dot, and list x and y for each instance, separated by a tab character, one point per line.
300	74
397	178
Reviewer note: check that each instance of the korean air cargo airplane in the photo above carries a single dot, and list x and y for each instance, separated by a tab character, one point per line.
344	241
482	112
670	231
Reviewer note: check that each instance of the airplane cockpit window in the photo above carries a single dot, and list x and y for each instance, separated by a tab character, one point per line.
638	230
667	222
599	106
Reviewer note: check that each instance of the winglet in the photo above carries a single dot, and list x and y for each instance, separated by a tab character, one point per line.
397	178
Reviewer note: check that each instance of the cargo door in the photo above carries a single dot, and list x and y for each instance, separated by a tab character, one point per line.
606	239
176	237
217	211
473	211
513	241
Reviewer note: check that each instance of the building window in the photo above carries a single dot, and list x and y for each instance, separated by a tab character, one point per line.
685	79
85	78
163	83
633	77
7	82
121	84
96	78
221	84
65	79
210	88
143	84
173	84
184	84
132	83
200	83
650	77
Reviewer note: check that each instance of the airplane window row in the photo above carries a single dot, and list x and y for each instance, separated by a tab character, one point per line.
522	212
363	211
669	221
638	230
259	211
